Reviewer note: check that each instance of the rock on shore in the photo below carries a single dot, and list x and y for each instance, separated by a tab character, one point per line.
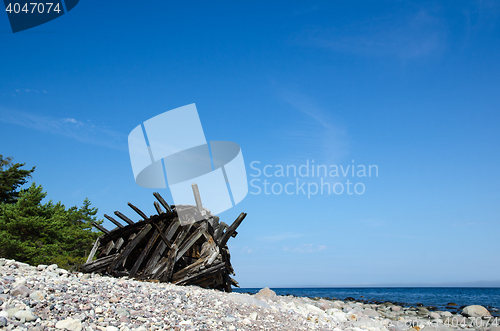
50	298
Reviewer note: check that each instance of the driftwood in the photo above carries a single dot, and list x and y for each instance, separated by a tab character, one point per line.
165	248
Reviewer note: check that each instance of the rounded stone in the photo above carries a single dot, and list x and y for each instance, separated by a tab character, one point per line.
475	311
266	294
26	315
20	290
37	296
70	324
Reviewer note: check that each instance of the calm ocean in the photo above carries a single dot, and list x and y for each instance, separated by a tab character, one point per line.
438	297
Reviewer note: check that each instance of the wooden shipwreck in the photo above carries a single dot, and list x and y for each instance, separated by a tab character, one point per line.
166	247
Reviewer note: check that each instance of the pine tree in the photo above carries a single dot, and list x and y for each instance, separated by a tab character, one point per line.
11	179
42	233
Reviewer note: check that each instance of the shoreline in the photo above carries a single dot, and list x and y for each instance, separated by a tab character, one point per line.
450	306
50	298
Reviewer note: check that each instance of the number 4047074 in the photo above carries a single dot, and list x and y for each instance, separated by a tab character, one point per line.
33	7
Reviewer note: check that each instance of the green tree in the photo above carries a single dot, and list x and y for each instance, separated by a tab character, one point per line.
45	233
11	179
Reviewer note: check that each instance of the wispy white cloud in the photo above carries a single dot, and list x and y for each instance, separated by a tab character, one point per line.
72	120
320	137
19	91
247	250
68	127
305	248
413	36
281	236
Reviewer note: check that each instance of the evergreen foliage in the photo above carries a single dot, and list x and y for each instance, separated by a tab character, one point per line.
42	233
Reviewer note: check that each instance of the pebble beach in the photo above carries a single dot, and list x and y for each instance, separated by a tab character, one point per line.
50	298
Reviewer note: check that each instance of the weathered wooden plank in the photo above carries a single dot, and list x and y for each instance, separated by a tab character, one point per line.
163	237
212	257
119	244
146	250
123	217
137	210
231	229
108	248
234	282
103	229
99	263
162	201
169	267
94	250
123	255
205	273
184	232
115	222
220	230
191	240
197	199
158	269
158	208
226	257
170	231
189	269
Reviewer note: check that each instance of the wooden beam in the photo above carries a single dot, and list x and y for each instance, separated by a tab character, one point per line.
158	208
123	217
220	230
108	247
180	237
207	272
94	250
103	229
146	250
137	210
169	232
119	244
162	201
169	267
189	269
231	229
123	255
99	263
115	222
163	237
191	240
197	199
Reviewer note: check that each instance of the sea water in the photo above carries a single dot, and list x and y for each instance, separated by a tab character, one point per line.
438	297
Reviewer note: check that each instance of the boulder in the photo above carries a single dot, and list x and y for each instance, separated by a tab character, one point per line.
242	298
434	315
422	311
52	267
371	313
266	294
314	310
446	314
475	311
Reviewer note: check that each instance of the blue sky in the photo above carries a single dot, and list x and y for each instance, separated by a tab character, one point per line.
412	87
